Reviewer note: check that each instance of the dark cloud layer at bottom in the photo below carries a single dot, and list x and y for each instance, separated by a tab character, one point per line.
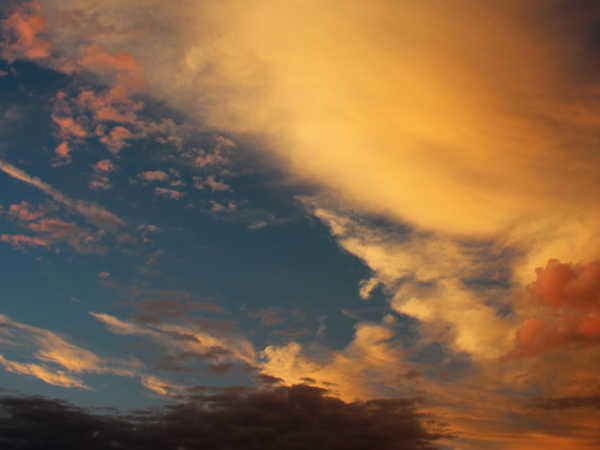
293	418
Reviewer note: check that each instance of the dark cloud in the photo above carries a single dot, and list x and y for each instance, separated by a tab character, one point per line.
566	402
292	418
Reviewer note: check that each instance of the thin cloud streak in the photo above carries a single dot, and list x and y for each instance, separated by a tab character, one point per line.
92	212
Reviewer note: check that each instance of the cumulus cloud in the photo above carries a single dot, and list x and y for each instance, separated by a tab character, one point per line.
570	295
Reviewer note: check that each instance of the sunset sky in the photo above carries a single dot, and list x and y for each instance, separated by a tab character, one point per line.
300	224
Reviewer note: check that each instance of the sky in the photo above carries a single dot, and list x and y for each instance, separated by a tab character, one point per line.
299	224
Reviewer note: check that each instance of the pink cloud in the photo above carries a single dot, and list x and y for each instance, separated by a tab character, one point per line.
170	193
62	151
112	106
56	230
24	212
105	166
21	32
115	140
99	182
571	294
567	285
20	240
210	181
62	154
156	175
210	159
69	128
122	65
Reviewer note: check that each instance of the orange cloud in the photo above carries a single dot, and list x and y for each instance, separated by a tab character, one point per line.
105	166
24	212
156	175
21	32
170	193
99	182
20	240
122	65
59	361
570	295
69	128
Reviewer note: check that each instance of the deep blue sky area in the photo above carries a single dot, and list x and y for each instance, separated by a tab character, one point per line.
289	261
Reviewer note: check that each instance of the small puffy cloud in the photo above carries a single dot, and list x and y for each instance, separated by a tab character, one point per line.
219	208
25	212
154	175
116	139
169	193
210	182
69	128
63	154
99	182
105	166
150	228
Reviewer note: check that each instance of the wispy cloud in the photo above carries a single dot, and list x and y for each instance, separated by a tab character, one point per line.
58	361
91	212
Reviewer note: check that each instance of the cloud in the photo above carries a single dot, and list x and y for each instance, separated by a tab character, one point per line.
22	32
169	193
92	212
58	361
187	338
50	230
98	182
210	181
20	240
298	417
366	368
105	166
574	401
269	316
56	378
156	175
25	212
425	276
570	293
